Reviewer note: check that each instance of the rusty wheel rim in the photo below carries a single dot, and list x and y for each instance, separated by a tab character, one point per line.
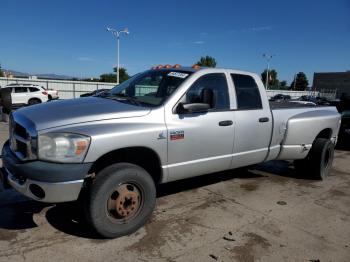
124	203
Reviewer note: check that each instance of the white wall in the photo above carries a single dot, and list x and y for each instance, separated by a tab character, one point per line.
66	89
292	94
72	89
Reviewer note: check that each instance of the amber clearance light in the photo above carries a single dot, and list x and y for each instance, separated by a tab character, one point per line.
195	66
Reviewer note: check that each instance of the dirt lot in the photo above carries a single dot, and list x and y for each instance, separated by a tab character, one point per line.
266	214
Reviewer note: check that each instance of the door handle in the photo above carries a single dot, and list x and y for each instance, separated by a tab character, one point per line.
225	123
264	119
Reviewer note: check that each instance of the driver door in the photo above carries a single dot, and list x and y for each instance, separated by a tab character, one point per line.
201	142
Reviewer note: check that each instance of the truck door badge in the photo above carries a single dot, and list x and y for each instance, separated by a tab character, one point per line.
177	135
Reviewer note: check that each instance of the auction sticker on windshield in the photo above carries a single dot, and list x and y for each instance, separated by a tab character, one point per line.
178	74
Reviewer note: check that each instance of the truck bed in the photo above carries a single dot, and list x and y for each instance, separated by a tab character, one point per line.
297	124
286	105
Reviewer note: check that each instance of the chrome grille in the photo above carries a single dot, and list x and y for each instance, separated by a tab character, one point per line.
21	141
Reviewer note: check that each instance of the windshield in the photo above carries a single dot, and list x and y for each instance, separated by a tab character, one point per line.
150	88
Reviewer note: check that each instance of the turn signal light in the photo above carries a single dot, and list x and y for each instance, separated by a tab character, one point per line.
44	93
80	147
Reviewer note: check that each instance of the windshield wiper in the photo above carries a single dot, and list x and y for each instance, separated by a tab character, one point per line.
124	97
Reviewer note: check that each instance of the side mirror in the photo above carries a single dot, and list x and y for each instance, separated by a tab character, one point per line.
192	108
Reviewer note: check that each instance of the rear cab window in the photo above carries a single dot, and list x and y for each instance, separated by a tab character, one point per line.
247	92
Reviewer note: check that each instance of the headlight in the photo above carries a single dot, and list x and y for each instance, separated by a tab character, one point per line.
63	147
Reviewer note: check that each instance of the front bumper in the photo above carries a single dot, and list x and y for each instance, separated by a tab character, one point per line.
43	181
44	191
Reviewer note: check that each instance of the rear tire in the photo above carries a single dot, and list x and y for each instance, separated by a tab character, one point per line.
34	101
121	199
319	161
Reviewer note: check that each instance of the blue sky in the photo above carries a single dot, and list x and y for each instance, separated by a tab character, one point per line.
69	37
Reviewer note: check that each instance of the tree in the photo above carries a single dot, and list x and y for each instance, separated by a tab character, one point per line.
112	78
1	72
273	81
123	75
301	82
207	61
283	84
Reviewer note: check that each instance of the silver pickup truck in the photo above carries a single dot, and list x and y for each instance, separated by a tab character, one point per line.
162	125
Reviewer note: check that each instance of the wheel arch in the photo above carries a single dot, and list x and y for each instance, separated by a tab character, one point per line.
325	133
34	98
142	156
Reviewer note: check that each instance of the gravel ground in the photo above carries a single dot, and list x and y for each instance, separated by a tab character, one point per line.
267	214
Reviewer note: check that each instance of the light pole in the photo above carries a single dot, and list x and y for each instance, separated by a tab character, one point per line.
117	33
295	79
268	58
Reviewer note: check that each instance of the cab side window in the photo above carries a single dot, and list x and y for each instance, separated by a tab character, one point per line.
21	89
247	92
215	83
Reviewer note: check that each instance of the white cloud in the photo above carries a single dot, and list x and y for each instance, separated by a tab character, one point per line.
199	42
260	28
252	29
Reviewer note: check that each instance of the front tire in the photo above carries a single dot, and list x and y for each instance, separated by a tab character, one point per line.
319	161
121	200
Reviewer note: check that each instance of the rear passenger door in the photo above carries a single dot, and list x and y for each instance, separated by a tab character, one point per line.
19	95
253	122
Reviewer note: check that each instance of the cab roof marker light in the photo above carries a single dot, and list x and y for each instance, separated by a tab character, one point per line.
195	66
177	66
167	66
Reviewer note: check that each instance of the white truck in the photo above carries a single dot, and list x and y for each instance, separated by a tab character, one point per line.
162	125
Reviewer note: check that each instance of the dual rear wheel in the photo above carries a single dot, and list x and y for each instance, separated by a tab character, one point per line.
319	161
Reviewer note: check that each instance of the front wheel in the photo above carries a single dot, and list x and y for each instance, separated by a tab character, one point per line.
121	200
319	161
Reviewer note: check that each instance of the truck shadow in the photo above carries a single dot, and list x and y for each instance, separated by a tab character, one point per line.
204	180
19	215
69	217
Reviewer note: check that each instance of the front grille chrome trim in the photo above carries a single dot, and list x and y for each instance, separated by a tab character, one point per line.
22	147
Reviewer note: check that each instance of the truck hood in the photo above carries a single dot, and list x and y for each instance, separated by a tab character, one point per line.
74	111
